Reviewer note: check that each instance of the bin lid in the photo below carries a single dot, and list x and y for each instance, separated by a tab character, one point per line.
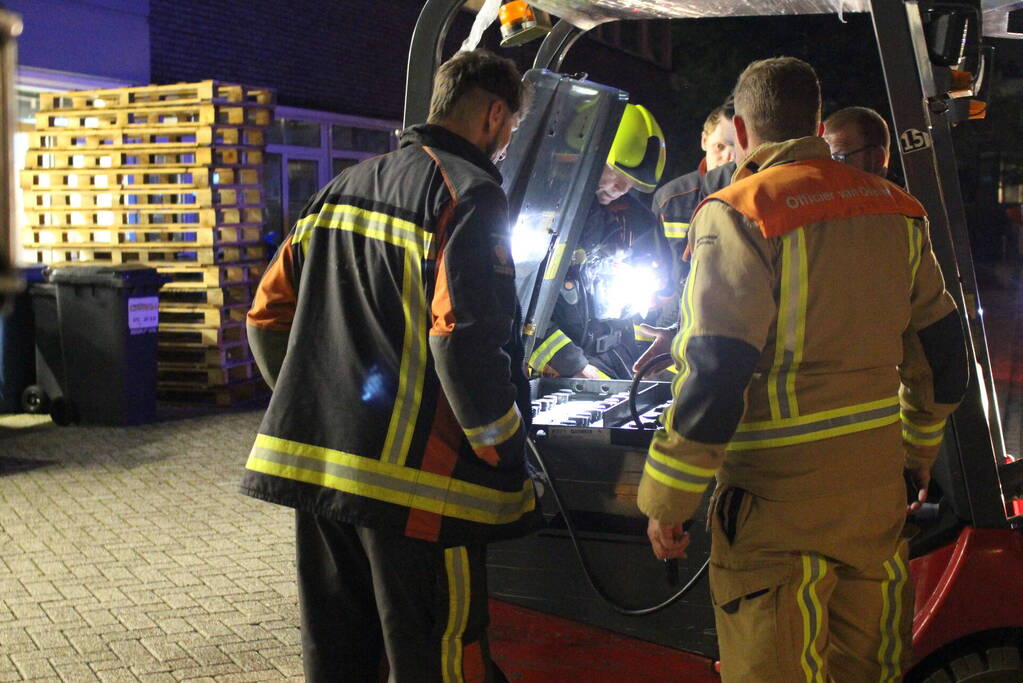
115	275
32	273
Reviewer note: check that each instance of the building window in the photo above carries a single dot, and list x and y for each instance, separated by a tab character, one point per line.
306	149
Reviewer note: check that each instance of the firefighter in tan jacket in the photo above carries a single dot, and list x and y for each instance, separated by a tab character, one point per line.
820	356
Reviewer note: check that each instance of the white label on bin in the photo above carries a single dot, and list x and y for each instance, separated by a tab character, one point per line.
143	313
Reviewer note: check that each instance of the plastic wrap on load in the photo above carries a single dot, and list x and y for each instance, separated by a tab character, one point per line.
484	18
588	13
996	17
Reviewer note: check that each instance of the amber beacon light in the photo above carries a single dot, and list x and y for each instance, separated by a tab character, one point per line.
520	23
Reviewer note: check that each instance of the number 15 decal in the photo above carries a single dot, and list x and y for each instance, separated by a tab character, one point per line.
914	140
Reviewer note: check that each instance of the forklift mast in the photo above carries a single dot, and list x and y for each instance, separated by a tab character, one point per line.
920	44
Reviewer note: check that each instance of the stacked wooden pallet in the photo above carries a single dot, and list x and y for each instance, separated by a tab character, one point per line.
169	176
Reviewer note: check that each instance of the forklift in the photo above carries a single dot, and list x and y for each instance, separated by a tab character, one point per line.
591	563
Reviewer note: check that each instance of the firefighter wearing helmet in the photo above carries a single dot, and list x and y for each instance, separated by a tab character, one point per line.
617	268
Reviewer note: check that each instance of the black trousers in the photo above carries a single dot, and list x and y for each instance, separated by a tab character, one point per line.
373	601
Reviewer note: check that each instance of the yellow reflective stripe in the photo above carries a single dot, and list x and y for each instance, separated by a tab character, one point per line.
690	469
497	432
544	353
922	435
678	345
601	374
916	238
676	473
676	229
791	327
387	482
889	653
814	570
690	487
640	335
412	375
456	564
816	426
552	266
372	224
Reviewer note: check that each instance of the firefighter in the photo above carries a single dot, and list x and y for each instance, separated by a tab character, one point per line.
393	429
616	271
820	356
675	201
859	136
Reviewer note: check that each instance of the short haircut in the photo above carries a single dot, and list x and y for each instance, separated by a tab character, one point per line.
714	118
473	79
871	125
779	99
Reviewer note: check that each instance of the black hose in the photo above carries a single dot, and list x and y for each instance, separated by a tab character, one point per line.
640	374
587	570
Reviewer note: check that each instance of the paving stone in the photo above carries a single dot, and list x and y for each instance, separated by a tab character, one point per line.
132	557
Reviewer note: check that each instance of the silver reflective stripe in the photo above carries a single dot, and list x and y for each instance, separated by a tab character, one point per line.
814	568
456	562
376	485
890	651
412	374
679	475
815	426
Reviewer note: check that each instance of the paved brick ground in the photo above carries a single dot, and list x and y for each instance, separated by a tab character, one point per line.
126	554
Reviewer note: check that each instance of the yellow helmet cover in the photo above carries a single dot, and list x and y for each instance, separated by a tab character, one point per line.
638	149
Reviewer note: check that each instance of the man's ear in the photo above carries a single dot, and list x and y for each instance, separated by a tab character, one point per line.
495	115
741	134
703	141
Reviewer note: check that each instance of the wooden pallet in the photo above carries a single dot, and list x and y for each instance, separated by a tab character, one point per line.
138	237
189	335
200	315
75	199
157	116
185	277
168	137
157	95
206	356
200	376
152	257
172	179
167	218
211	296
226	395
137	156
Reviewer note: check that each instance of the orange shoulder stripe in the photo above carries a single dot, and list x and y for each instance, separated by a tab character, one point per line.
786	197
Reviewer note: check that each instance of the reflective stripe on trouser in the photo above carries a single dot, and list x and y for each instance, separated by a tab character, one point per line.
797	617
361	589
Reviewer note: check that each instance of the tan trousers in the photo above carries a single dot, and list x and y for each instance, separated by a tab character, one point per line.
813	590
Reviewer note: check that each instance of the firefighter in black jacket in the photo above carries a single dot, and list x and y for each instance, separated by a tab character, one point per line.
394	429
617	267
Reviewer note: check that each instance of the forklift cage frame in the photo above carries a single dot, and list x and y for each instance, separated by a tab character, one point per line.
972	470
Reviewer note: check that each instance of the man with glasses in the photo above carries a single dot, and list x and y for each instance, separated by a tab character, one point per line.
859	136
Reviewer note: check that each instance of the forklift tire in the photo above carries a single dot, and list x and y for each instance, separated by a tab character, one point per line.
63	412
995	664
34	400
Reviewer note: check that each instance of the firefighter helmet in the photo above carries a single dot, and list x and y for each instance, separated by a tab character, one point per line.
638	148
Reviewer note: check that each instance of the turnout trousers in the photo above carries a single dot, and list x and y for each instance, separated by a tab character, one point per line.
813	590
373	602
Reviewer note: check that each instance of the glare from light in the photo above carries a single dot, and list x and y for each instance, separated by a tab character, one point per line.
622	289
531	237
